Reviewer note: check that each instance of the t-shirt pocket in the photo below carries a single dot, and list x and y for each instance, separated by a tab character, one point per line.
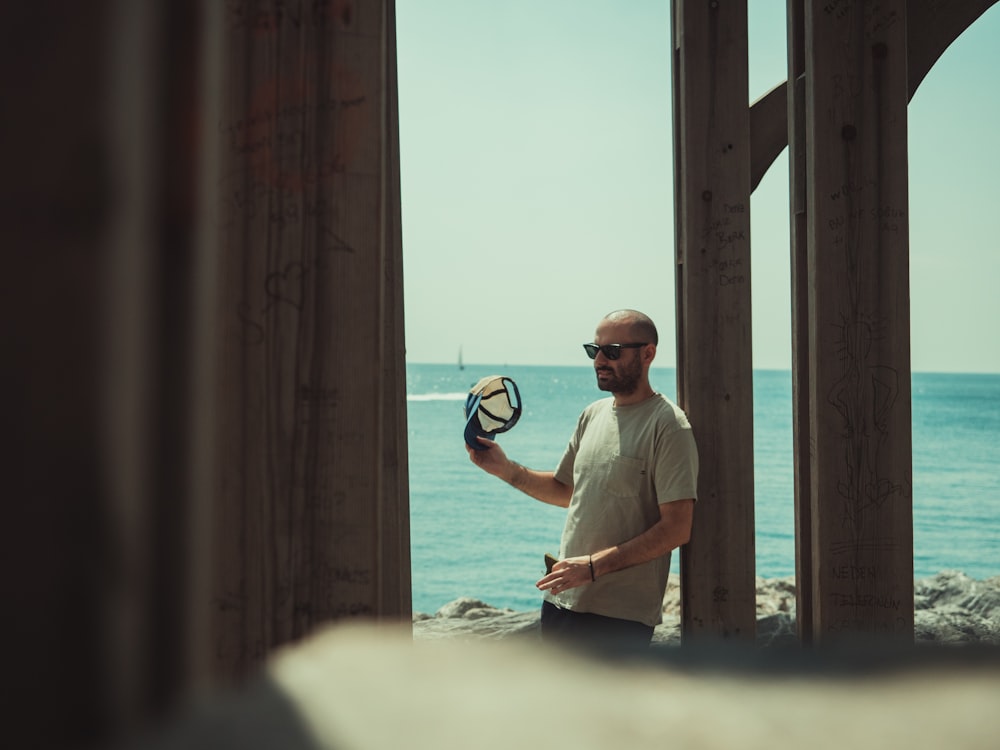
625	476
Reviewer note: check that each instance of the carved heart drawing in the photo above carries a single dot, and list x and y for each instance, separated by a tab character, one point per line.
287	286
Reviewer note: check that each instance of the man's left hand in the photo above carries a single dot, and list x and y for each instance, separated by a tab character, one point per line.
566	574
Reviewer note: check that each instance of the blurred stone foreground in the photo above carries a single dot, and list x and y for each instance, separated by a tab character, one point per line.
370	686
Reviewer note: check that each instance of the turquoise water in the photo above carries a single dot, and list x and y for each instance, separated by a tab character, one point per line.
472	535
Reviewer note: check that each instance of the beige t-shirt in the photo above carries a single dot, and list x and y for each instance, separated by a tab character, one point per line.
623	462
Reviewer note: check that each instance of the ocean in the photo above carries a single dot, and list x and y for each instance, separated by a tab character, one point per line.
473	535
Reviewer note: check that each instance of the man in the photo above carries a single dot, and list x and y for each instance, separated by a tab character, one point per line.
628	478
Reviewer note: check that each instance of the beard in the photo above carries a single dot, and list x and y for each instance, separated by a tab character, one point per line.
624	379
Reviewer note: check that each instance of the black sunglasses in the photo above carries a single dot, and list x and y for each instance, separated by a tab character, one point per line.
611	351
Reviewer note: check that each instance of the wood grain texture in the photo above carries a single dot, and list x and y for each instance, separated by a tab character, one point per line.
858	318
311	524
715	382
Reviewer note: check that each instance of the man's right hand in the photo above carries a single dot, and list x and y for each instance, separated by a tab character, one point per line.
492	459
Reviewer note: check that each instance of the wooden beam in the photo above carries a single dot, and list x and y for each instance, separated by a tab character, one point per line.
394	593
858	290
768	131
311	523
798	211
102	194
931	28
715	380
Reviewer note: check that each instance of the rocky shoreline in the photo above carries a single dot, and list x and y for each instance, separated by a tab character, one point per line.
950	608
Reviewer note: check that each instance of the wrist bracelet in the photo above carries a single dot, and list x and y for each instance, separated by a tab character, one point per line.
590	562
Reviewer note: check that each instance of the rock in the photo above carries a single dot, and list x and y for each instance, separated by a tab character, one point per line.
775	595
668	633
469	608
950	608
953	608
471	617
777	629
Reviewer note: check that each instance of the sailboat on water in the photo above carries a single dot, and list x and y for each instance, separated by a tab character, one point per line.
460	365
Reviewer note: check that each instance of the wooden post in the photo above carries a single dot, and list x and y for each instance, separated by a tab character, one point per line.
930	29
858	318
800	317
103	194
715	386
312	516
58	205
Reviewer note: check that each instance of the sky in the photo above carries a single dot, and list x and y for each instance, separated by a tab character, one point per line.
537	184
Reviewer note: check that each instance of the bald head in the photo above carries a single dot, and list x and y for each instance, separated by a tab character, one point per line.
641	327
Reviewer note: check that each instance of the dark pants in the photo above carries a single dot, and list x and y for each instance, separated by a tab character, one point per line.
597	633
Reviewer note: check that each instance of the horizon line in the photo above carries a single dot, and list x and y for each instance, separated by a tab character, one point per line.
467	365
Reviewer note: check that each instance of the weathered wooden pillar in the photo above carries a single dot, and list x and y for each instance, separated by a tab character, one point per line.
160	334
715	381
930	28
101	202
57	202
796	114
311	521
858	379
